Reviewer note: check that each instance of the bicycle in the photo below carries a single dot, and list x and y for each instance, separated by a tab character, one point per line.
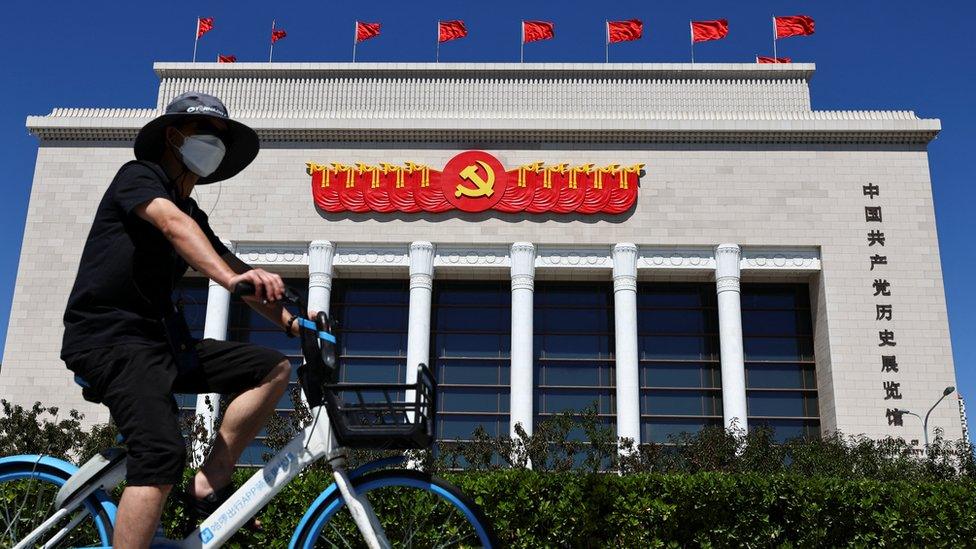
405	506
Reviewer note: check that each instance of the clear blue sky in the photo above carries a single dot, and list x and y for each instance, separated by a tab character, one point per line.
869	55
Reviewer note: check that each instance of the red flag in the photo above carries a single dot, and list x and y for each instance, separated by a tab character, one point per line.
365	31
451	30
204	25
793	25
277	34
624	31
226	58
764	59
703	31
537	30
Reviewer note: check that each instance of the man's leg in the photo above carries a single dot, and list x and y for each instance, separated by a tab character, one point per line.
242	421
138	515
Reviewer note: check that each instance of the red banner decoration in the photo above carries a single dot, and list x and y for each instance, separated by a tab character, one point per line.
204	25
624	31
764	59
793	25
365	31
533	31
702	31
226	58
277	34
474	181
451	30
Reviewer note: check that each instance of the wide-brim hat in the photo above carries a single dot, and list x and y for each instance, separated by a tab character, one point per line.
241	141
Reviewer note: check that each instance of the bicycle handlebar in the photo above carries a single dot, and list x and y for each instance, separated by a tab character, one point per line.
244	289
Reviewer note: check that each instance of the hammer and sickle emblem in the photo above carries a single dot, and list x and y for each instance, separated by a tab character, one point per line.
483	187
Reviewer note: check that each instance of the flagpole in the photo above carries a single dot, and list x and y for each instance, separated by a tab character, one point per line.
355	38
522	44
774	38
437	37
606	46
691	31
196	38
271	53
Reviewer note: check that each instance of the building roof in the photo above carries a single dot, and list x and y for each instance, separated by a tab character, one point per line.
507	102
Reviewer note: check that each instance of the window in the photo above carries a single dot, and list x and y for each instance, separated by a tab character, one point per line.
678	350
781	383
371	329
574	349
469	354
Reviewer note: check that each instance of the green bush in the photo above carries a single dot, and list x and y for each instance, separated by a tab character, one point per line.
710	489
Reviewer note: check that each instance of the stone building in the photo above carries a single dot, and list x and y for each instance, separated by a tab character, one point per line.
765	263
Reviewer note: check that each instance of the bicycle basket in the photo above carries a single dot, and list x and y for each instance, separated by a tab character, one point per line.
380	416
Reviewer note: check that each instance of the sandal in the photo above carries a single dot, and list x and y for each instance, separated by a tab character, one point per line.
199	509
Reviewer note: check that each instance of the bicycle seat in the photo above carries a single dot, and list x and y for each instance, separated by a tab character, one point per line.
104	471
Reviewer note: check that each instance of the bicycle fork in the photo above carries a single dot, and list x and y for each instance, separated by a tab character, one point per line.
359	507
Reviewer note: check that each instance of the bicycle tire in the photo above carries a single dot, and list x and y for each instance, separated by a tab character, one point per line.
96	529
326	514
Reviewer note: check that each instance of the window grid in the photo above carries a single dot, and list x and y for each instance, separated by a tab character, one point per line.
574	349
469	355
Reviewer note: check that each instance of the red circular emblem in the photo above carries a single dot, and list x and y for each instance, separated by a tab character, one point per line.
474	181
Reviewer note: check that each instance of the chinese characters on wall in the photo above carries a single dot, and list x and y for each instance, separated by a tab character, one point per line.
883	310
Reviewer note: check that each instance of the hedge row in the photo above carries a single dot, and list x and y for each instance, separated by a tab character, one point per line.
535	509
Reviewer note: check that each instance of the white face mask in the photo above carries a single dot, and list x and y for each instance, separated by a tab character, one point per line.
202	154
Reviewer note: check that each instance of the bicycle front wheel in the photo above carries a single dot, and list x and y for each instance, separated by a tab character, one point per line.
416	511
27	494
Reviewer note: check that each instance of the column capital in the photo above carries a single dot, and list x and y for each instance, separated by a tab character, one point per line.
727	271
624	266
523	266
320	256
421	265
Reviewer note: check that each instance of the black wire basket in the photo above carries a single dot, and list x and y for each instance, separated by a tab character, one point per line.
380	416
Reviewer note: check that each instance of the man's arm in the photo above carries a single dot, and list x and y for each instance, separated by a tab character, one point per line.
192	245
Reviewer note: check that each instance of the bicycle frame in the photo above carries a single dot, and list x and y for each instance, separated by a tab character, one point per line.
312	444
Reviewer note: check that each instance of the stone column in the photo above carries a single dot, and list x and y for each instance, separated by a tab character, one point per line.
523	286
730	336
421	285
214	327
625	335
320	255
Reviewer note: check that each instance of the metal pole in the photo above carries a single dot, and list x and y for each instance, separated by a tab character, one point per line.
196	38
271	53
691	30
774	39
355	39
606	46
925	423
522	44
437	36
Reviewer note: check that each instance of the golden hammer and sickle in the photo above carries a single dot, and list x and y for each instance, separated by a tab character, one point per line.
484	188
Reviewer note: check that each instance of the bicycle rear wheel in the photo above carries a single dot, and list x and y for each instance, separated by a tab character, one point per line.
27	493
415	509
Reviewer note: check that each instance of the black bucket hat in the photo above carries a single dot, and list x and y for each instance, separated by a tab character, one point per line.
240	140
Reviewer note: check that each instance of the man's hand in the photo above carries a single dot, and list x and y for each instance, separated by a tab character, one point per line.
267	286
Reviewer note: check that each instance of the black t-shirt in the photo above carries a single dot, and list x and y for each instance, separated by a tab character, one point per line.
128	269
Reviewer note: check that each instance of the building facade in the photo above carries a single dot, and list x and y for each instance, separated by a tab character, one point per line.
764	262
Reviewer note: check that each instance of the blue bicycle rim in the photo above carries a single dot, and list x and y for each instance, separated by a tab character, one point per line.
58	481
371	484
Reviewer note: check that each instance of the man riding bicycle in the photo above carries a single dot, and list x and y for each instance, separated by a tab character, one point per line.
128	344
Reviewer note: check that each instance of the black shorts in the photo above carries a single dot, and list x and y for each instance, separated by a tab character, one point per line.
137	382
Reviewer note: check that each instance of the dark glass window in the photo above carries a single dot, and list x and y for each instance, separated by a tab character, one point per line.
469	353
574	349
371	329
680	371
781	383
